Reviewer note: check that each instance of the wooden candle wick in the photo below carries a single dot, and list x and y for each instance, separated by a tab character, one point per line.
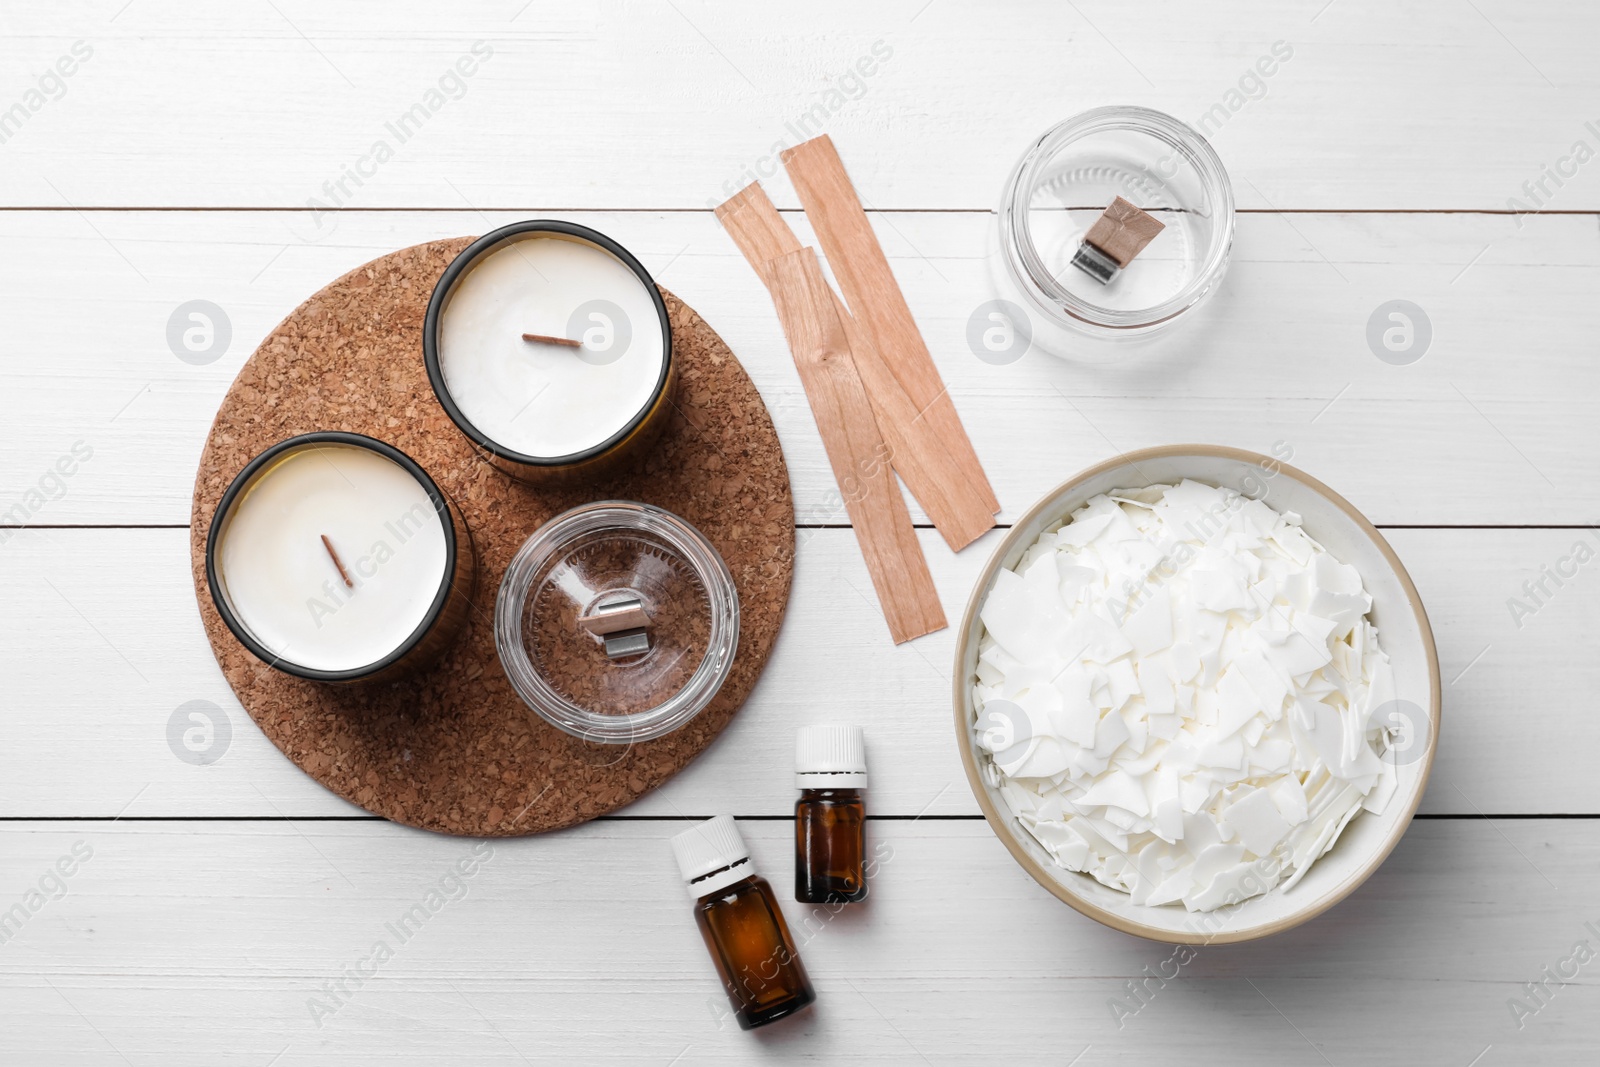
1119	234
547	339
335	556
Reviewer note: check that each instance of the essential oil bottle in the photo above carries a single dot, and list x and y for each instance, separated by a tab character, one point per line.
742	926
830	816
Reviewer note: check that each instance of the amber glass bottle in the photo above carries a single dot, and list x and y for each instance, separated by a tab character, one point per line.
743	929
830	816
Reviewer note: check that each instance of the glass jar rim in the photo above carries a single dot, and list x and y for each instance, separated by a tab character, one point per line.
553	538
1022	255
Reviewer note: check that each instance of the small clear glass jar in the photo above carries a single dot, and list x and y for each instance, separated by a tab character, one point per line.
1062	184
629	686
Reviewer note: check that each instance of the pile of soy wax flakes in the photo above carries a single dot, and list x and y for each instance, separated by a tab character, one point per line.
1176	691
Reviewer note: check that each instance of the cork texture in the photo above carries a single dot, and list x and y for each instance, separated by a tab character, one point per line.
454	749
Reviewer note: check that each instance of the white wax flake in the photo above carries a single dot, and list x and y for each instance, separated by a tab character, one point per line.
1079	718
1197	678
1117	788
1239	704
1290	797
1149	629
1296	652
1256	821
1185	661
1110	735
1075	581
1383	791
1166	808
1124	682
1156	686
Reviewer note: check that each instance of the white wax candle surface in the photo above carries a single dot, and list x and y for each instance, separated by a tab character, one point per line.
284	586
541	399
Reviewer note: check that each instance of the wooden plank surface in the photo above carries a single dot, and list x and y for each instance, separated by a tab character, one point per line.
202	943
193	153
1493	425
640	103
1519	729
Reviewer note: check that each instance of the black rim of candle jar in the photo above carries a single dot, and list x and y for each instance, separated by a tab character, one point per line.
242	481
447	281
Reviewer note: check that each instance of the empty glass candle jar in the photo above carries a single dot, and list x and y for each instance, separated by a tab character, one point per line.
617	622
1062	184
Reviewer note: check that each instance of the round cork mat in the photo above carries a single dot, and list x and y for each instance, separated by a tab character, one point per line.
455	749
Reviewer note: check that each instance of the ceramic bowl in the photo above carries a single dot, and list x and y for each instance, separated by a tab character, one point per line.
1403	630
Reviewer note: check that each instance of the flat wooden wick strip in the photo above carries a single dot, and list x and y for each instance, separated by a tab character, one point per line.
547	339
874	296
327	544
856	451
957	506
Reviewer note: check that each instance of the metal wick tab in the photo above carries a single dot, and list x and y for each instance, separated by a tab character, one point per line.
622	624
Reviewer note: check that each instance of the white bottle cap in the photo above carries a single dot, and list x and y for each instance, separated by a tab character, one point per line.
830	756
711	856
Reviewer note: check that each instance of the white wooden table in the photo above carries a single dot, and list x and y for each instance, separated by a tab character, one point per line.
188	157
